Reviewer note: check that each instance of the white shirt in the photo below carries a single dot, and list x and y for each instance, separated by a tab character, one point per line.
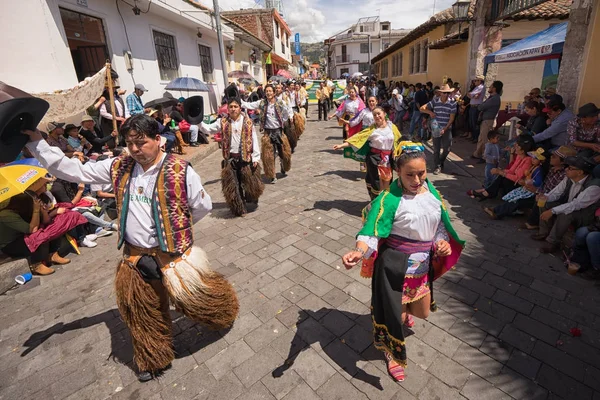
236	136
118	111
577	200
140	230
271	121
417	218
477	95
350	107
107	188
365	116
382	139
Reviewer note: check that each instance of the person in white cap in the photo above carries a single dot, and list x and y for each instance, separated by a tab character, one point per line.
134	100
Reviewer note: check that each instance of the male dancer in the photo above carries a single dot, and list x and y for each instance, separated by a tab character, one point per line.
159	197
240	174
273	115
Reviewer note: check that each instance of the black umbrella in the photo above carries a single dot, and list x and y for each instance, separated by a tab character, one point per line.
163	101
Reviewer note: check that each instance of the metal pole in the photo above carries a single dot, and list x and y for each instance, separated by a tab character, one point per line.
369	46
220	40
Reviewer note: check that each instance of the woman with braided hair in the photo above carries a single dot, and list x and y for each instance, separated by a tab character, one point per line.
406	242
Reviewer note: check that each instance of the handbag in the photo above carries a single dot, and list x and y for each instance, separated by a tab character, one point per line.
184	126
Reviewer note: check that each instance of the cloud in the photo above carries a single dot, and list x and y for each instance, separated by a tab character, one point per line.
306	20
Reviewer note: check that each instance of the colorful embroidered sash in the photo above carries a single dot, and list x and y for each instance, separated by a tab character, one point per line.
245	139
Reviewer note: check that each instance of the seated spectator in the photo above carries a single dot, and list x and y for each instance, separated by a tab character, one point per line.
23	215
586	249
573	201
164	127
75	140
524	195
535	95
177	116
584	131
56	139
66	192
92	134
555	175
508	178
537	119
556	134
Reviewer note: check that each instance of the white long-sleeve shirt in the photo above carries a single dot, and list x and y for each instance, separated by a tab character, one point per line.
365	117
584	198
271	121
119	110
140	230
236	136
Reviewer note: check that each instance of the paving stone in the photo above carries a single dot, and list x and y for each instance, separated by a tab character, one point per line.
282	269
476	361
271	308
518	386
442	319
420	328
557	358
577	348
336	322
302	392
494	268
558	382
495	309
243	325
313	369
459	293
524	364
314	334
477	388
436	389
274	288
514	302
441	341
335	297
317	267
262	265
289	344
519	339
338	388
338	279
468	333
285	253
258	391
449	372
298	275
496	348
416	377
229	358
536	329
314	306
73	382
342	358
548	290
376	384
534	297
592	377
459	309
518	277
265	334
317	285
295	293
256	367
421	353
569	311
321	254
358	338
252	301
359	292
478	286
501	283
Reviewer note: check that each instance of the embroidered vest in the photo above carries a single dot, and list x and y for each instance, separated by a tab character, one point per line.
245	139
278	112
171	213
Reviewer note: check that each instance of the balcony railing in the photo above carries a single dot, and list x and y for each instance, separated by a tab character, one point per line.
502	9
344	58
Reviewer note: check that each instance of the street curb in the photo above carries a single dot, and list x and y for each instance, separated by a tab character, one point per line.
9	270
203	152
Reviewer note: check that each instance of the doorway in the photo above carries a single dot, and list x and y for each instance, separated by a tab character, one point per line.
87	42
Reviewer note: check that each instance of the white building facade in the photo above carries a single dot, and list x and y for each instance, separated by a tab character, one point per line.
54	44
351	50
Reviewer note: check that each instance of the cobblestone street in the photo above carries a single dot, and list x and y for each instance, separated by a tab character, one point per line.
502	330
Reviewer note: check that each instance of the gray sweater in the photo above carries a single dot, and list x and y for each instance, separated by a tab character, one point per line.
489	108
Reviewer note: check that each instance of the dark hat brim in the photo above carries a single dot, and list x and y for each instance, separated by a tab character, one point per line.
17	115
582	163
193	110
232	91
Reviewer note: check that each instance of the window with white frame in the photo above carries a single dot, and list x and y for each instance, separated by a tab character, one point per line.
166	55
417	60
277	29
206	63
364	48
424	56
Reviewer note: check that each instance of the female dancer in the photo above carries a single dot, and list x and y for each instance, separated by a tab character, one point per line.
375	146
349	109
407	231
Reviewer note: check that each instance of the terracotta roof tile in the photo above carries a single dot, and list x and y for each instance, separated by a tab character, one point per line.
547	10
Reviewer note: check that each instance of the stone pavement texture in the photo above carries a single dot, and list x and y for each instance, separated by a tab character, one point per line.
502	331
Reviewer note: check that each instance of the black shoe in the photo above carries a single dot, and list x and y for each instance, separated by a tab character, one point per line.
481	161
283	171
145	376
194	144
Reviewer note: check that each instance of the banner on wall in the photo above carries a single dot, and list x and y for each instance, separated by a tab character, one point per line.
313	84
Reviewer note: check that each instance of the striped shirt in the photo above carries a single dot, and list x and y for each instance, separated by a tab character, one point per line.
442	111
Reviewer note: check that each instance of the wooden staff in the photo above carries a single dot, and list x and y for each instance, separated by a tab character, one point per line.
111	96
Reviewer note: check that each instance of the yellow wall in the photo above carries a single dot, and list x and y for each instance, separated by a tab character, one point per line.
590	84
450	62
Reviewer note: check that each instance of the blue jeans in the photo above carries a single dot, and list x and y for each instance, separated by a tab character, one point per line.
415	122
92	219
587	248
473	117
170	140
489	178
193	133
399	116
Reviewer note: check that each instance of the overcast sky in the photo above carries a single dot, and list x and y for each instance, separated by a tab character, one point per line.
316	20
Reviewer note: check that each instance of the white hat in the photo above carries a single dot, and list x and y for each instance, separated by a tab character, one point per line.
395	91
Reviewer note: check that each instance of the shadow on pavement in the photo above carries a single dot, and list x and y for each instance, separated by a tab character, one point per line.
312	329
346	174
188	341
348	206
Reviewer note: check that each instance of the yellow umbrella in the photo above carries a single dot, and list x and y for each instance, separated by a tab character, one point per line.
15	179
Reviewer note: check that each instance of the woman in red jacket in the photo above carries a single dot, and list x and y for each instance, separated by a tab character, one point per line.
508	179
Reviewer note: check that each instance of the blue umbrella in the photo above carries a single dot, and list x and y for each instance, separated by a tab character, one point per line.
188	84
27	161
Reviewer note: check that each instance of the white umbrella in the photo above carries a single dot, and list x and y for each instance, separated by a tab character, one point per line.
357	74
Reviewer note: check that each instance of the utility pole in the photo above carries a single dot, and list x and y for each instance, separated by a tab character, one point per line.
220	40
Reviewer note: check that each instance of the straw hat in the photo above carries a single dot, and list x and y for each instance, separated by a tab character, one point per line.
538	154
446	89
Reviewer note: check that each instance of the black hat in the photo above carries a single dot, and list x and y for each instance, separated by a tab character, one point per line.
232	91
580	162
588	110
18	111
253	97
193	110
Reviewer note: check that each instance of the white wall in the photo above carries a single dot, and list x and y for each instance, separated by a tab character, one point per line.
41	61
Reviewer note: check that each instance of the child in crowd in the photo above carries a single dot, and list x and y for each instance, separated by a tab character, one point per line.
491	156
77	142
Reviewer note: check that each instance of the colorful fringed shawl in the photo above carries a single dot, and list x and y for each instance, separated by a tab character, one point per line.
170	210
361	106
360	141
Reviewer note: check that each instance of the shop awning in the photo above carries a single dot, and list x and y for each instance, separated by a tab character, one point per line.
543	45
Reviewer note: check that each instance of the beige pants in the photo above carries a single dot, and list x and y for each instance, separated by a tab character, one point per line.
485	127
